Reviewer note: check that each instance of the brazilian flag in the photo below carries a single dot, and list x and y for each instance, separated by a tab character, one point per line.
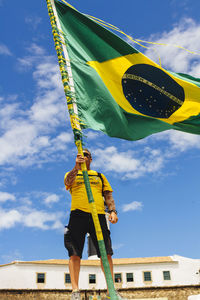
119	90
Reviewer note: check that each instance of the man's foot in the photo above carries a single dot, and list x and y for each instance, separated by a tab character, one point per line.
119	297
76	295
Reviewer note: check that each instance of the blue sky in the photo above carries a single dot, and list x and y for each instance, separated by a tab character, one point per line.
155	180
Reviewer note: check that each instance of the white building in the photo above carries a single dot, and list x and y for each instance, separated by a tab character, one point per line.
129	272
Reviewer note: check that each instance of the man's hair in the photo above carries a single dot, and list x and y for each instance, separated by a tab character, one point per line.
85	149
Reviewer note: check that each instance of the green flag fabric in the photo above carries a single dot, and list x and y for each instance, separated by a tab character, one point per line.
119	90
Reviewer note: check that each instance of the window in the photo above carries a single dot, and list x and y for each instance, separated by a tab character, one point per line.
129	277
147	276
166	275
118	277
92	278
40	277
67	278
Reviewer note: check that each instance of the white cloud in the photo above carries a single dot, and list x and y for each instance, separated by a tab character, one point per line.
28	135
4	49
9	218
92	135
112	160
135	205
23	212
127	164
117	246
37	56
17	140
65	137
3	179
25	63
6	197
36	49
185	34
179	141
29	217
11	256
184	141
34	21
57	225
40	219
53	198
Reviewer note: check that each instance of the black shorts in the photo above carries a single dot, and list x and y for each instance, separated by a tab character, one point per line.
81	223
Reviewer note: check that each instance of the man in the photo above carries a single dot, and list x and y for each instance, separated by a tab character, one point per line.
81	221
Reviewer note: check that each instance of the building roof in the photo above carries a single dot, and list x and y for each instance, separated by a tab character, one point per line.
88	262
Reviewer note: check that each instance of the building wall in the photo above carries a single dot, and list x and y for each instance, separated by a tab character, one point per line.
162	293
84	278
23	276
184	271
20	276
194	297
188	271
156	273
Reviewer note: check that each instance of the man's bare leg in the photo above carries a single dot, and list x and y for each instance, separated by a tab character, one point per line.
74	270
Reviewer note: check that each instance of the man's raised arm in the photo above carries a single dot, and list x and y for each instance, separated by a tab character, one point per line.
69	180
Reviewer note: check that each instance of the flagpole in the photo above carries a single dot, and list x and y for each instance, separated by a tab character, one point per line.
67	79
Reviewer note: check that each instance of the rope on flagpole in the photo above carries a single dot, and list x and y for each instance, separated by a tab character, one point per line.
67	82
66	74
139	41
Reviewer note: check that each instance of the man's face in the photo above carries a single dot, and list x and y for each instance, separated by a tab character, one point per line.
87	157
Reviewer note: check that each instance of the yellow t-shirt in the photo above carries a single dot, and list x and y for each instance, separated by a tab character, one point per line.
78	191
